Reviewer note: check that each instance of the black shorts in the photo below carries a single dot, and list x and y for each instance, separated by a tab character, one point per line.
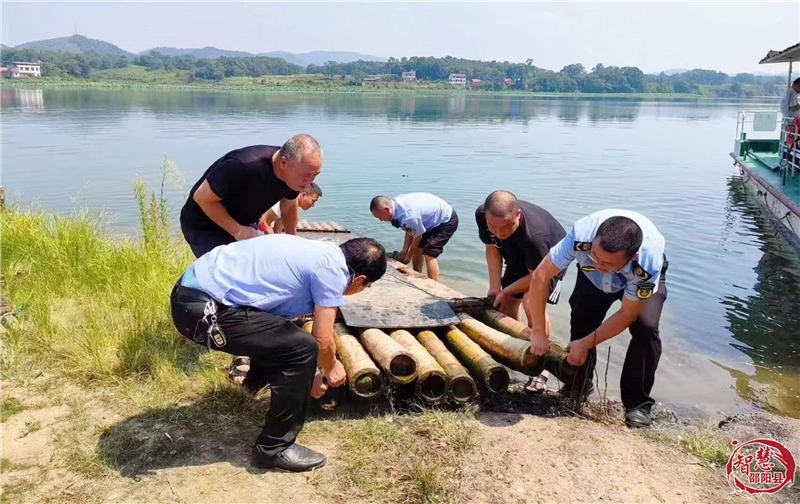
434	240
555	287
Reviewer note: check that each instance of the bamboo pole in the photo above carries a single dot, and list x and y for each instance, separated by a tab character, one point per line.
363	376
555	360
431	379
506	324
511	351
398	364
459	383
492	374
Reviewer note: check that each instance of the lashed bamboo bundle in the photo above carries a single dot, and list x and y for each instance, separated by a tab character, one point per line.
398	364
492	374
459	383
431	381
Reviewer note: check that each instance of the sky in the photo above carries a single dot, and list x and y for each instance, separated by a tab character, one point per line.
726	36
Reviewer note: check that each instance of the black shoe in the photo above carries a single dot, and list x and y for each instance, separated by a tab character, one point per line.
296	458
638	418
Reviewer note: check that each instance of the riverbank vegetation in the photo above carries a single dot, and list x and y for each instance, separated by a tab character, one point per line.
431	75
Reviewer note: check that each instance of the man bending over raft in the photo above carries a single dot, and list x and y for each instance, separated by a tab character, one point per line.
238	299
620	255
429	223
519	234
226	203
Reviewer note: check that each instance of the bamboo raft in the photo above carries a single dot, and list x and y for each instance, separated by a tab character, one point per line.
449	363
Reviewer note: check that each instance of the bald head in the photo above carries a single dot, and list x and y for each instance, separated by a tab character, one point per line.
301	148
501	204
382	208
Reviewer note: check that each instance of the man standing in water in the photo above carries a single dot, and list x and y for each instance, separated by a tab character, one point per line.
238	298
226	203
429	223
621	257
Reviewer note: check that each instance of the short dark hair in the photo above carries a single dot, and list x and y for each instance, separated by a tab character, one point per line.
379	202
313	189
501	204
365	256
796	82
620	233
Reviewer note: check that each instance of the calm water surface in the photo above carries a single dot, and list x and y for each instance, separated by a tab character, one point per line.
731	325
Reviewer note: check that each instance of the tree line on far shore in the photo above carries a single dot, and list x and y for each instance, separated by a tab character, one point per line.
493	75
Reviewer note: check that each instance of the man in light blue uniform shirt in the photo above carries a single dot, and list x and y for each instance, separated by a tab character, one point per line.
239	298
620	255
429	223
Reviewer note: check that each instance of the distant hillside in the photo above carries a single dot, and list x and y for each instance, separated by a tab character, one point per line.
76	44
204	52
320	57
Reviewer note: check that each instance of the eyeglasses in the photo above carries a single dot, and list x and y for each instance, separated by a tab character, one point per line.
602	264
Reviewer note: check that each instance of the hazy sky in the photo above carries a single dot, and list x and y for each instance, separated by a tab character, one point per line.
725	36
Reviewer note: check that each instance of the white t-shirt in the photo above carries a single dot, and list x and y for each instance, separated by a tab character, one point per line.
277	209
789	100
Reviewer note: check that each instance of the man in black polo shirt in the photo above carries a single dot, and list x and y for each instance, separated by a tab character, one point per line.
521	234
226	203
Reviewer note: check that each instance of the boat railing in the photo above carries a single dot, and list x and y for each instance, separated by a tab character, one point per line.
789	150
767	131
757	123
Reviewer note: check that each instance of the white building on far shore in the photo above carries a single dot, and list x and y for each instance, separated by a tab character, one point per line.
24	69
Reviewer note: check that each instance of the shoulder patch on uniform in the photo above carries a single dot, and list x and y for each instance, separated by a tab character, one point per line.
641	272
582	246
644	290
588	268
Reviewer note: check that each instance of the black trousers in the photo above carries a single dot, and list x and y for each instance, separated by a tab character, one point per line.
280	352
589	307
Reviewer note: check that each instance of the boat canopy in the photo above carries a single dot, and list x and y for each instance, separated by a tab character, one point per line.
786	56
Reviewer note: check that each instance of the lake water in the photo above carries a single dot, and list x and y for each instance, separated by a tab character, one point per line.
731	325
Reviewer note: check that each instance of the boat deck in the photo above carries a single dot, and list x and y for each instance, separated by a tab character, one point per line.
762	164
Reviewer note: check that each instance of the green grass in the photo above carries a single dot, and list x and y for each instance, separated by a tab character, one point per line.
15	493
709	445
7	466
96	305
10	407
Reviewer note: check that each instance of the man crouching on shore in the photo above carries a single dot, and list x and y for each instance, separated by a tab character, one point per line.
239	299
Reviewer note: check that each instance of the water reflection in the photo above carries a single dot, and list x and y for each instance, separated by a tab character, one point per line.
418	108
766	323
27	100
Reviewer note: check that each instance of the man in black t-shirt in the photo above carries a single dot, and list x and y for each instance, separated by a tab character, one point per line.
521	235
226	203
